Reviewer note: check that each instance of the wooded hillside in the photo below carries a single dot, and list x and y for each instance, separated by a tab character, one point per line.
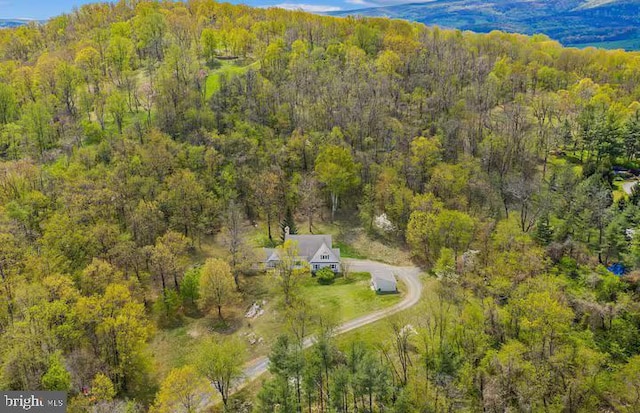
132	134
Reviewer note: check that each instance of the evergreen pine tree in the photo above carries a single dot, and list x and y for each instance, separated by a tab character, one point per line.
288	221
544	231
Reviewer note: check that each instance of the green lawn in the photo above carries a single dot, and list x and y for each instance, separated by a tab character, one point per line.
228	68
174	347
350	298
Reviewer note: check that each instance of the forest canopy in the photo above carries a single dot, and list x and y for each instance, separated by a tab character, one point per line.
133	133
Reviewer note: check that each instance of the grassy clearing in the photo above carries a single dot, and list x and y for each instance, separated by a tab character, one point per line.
347	298
257	236
265	328
173	347
366	247
569	158
347	251
372	335
228	68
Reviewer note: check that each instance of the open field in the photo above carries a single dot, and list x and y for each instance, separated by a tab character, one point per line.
228	68
346	298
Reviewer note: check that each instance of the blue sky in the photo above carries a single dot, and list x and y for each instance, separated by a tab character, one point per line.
43	9
36	9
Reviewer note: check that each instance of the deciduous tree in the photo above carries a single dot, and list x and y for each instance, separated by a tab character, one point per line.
216	285
336	169
182	391
221	363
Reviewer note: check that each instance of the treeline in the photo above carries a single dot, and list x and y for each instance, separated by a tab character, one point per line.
123	146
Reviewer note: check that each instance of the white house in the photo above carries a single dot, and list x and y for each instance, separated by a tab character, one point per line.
313	250
384	282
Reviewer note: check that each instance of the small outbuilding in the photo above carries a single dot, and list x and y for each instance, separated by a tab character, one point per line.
384	282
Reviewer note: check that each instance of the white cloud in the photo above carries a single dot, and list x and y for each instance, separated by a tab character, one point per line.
314	8
362	3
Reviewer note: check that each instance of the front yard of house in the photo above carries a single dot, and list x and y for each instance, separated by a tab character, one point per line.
349	297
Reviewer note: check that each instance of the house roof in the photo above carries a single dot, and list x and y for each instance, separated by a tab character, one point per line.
308	245
310	248
325	250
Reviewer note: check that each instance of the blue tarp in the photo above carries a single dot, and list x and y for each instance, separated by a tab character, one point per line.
616	269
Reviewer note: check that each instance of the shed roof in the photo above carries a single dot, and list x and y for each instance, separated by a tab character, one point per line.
383	275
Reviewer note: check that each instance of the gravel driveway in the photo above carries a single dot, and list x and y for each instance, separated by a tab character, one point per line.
410	276
627	186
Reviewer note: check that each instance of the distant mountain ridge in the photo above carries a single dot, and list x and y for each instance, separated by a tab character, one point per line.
603	23
9	23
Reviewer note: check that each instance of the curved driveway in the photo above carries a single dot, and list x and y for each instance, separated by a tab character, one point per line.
409	275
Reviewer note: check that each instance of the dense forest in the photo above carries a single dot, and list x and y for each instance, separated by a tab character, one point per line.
133	133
